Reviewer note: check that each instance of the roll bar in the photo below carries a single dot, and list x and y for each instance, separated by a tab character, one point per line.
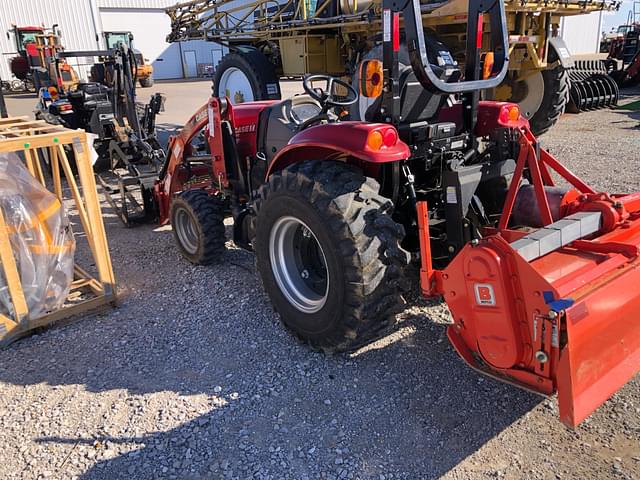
418	53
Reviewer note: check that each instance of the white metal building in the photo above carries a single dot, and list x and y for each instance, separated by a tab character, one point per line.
82	23
582	33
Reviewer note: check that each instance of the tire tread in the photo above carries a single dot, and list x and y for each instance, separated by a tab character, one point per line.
209	212
368	240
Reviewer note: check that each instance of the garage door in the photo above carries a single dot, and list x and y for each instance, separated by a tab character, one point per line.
150	28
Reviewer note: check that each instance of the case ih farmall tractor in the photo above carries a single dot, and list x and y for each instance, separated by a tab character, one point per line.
538	269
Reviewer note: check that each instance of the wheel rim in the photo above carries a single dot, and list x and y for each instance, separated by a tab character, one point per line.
529	93
235	85
186	231
298	264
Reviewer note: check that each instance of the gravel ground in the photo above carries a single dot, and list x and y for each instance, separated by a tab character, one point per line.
192	376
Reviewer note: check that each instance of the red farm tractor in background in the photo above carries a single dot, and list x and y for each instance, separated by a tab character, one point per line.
538	269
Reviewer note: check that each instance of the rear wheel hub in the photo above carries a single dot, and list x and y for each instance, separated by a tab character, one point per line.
298	264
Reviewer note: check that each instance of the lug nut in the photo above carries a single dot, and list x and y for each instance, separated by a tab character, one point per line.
304	274
541	356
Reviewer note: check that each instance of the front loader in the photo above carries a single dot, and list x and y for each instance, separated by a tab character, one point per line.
538	269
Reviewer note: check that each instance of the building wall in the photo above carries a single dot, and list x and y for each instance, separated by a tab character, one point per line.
76	21
150	26
83	21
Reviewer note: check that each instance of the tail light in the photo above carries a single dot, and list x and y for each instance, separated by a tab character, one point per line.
382	138
371	77
509	115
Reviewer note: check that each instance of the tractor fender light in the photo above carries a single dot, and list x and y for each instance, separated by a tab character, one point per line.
374	140
382	138
509	114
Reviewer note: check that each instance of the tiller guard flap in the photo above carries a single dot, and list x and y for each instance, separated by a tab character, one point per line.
567	320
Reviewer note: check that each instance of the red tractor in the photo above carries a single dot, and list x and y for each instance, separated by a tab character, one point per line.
538	277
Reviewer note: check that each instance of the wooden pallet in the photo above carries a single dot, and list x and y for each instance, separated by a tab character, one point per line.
37	140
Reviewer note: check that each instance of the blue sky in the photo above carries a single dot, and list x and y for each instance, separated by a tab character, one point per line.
614	19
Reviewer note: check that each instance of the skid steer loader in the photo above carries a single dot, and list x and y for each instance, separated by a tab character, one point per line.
536	267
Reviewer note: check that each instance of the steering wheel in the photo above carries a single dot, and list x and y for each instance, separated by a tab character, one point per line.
328	97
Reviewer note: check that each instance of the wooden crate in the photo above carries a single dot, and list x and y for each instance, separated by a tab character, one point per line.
35	139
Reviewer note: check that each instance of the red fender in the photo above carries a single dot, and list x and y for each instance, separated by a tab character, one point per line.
339	141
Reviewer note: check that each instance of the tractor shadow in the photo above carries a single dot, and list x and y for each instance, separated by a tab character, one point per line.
405	403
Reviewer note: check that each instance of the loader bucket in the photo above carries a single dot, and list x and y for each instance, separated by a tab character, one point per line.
568	321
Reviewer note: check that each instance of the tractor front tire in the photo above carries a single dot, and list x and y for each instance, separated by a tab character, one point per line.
197	219
329	254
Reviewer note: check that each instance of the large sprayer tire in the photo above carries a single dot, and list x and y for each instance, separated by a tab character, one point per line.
542	95
329	254
197	219
556	96
246	76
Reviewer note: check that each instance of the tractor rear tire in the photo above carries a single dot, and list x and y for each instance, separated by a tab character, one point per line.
254	76
197	219
329	254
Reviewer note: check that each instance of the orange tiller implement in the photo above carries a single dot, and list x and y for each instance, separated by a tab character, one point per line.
553	309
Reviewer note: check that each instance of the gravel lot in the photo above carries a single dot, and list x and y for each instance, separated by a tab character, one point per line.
192	377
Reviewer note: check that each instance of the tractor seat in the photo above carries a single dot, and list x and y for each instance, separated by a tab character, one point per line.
278	123
416	103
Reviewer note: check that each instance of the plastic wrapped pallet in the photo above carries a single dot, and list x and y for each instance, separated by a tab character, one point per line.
41	239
